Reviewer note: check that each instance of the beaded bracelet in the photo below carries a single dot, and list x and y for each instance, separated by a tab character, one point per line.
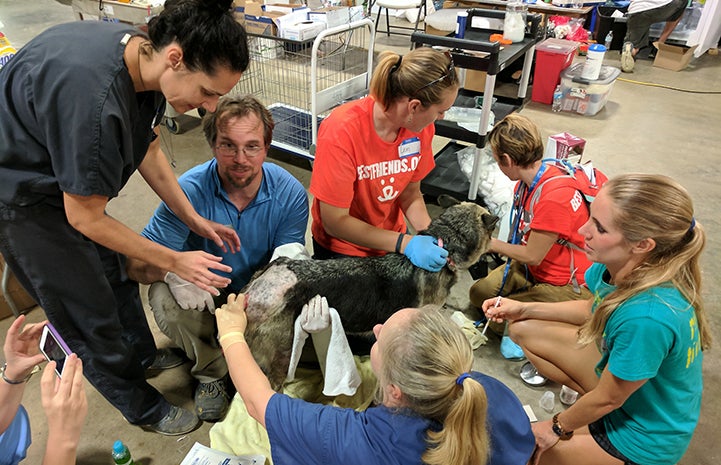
13	381
558	429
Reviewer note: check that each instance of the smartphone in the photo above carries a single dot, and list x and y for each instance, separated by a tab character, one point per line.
54	348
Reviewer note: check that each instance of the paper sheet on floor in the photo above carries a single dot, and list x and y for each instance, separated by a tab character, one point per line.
201	455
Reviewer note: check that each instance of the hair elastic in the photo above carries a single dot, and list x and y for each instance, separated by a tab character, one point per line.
693	224
395	67
462	377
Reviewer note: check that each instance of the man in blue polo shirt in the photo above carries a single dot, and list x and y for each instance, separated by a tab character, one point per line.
264	203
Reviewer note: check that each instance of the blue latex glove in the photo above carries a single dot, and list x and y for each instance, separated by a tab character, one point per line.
424	252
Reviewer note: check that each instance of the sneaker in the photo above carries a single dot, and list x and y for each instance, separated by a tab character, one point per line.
510	350
652	53
166	358
213	399
178	421
627	60
530	375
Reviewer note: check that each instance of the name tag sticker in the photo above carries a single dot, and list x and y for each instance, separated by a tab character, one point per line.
409	147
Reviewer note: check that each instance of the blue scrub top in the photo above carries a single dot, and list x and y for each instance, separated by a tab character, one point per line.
15	440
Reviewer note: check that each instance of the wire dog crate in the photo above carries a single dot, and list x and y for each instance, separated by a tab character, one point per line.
301	81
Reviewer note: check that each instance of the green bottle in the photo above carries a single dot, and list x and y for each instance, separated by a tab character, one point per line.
121	454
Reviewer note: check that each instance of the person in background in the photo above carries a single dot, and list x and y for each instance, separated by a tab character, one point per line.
542	268
63	399
264	203
634	350
641	15
80	102
431	407
371	157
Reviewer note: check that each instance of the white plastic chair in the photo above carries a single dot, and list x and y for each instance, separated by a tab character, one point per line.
419	5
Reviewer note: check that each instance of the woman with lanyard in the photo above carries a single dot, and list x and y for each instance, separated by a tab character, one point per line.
371	157
635	349
79	105
539	268
432	408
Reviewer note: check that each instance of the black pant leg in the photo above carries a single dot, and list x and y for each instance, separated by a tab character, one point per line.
96	310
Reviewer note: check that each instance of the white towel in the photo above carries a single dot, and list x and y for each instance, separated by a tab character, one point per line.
331	345
293	250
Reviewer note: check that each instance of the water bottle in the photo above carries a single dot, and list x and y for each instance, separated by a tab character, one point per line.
461	21
557	99
121	454
609	39
6	50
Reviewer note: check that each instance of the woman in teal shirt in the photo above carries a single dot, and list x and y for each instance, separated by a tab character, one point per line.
634	351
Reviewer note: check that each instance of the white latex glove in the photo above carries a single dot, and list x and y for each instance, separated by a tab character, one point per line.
315	316
187	294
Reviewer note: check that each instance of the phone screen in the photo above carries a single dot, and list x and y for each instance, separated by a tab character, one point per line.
54	348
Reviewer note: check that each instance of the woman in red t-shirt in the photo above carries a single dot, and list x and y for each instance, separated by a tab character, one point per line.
542	268
371	156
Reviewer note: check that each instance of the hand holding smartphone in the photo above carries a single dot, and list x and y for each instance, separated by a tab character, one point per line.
54	348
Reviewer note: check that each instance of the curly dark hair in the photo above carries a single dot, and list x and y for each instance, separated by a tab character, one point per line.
206	31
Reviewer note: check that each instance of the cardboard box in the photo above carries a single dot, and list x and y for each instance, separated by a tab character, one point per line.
565	146
475	80
258	21
435	32
332	16
239	14
673	57
284	8
115	11
304	30
17	293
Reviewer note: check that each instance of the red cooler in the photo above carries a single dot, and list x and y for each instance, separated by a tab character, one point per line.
552	57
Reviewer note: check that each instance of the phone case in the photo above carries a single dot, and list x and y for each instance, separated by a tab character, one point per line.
56	336
54	348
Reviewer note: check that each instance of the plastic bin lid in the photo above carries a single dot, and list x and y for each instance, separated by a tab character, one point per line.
607	75
560	46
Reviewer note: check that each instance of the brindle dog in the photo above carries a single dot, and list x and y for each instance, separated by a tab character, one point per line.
364	291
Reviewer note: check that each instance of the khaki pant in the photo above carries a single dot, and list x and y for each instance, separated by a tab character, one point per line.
519	288
193	331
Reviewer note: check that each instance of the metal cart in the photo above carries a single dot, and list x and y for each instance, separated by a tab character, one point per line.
475	51
301	81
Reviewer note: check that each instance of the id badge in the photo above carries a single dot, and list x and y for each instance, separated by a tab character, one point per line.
409	147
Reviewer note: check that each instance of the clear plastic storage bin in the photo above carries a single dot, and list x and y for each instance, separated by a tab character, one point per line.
584	96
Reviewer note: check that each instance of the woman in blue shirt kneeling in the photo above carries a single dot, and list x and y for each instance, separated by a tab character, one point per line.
432	408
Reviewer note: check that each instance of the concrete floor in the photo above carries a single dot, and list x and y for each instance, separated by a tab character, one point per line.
642	128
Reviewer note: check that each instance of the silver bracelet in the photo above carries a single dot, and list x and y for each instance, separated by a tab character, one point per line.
13	381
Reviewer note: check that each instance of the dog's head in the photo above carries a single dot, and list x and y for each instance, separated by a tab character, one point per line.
465	229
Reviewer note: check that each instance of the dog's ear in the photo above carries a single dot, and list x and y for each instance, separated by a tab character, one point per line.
446	201
489	221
